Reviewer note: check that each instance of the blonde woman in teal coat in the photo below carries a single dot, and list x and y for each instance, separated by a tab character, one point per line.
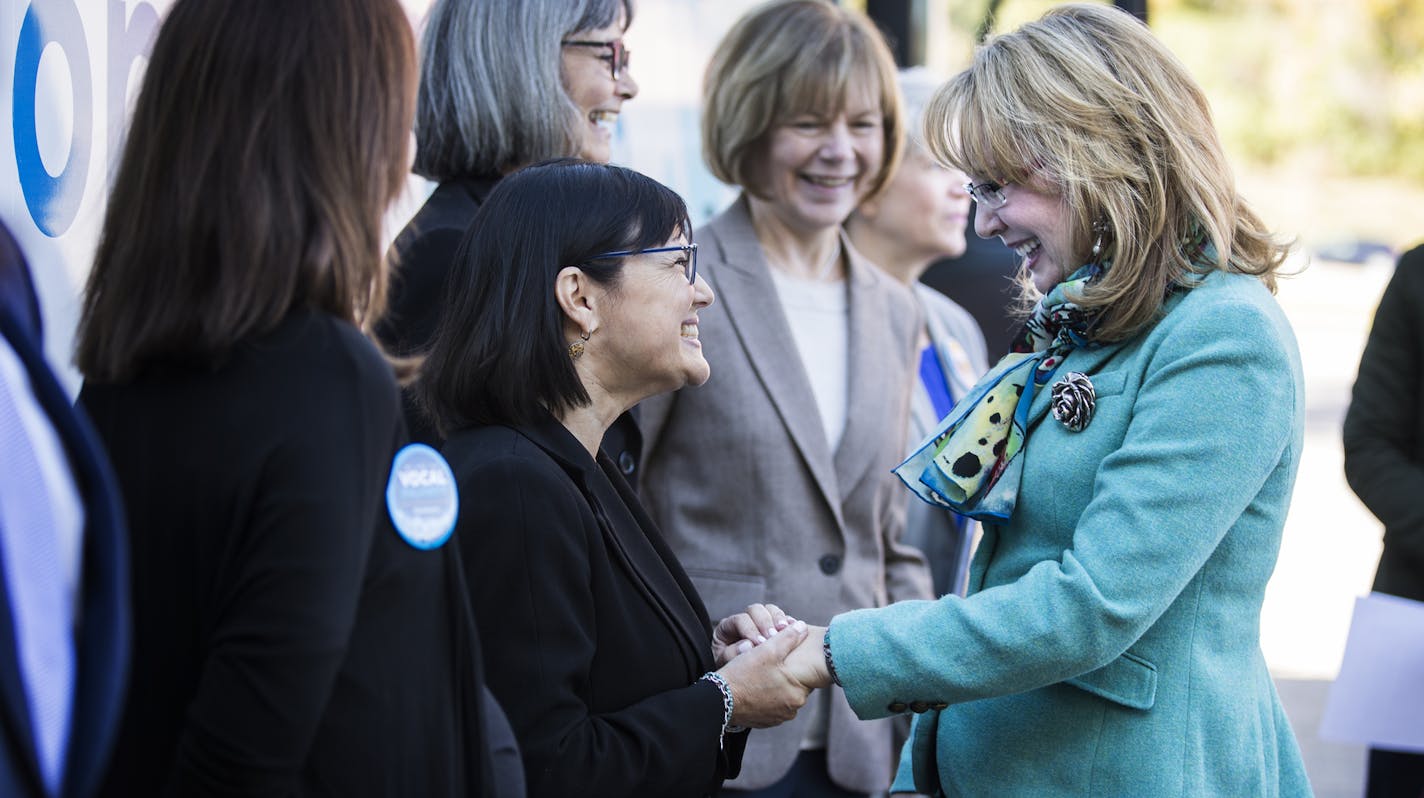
1132	461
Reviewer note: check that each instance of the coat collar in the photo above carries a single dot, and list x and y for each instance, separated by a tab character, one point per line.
1084	360
1090	361
475	187
874	382
451	204
18	300
633	539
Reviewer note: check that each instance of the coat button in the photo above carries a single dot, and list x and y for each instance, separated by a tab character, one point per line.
627	463
897	707
830	564
918	706
939	706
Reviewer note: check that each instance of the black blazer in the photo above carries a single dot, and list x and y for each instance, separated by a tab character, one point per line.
423	253
1384	429
102	642
594	636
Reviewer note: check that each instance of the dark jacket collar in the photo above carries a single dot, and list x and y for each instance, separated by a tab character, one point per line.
632	536
476	187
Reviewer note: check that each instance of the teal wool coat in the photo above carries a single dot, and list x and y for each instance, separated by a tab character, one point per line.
1110	642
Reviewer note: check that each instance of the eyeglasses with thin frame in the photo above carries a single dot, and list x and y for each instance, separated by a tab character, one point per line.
690	250
987	193
617	57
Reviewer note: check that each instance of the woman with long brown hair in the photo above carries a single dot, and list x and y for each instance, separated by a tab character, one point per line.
299	628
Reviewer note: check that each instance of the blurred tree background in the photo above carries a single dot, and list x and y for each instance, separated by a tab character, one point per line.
1319	102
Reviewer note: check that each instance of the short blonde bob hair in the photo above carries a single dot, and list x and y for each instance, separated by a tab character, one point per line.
783	59
1087	99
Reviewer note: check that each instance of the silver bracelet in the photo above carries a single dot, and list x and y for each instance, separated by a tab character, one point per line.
726	690
826	651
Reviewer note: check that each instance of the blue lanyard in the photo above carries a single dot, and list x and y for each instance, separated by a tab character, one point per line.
935	382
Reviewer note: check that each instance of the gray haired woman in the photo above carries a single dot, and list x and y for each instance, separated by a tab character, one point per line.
502	85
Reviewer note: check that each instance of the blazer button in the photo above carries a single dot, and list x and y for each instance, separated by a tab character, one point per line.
939	706
918	706
830	564
897	707
626	463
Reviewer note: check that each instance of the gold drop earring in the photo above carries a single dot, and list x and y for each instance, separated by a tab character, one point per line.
576	348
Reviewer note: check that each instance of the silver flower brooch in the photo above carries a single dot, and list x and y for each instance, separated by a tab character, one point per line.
1074	401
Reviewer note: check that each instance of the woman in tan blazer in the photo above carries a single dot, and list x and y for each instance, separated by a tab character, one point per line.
772	481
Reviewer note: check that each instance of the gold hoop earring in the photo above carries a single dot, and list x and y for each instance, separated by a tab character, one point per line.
576	348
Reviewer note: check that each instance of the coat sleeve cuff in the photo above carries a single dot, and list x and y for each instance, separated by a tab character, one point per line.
879	679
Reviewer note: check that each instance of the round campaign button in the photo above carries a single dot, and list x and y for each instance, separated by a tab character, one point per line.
421	497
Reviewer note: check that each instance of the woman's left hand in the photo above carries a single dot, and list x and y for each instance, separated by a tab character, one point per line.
739	633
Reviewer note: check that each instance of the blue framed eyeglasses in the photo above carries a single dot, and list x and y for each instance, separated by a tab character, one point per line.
617	57
987	193
688	249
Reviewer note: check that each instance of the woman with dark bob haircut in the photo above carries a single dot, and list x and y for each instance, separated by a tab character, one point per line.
577	297
297	629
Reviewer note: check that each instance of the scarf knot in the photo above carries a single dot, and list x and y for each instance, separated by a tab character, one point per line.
970	464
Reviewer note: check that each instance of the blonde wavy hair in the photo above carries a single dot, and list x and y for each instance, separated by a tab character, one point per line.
1089	100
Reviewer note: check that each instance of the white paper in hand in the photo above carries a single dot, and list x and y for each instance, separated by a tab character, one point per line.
1378	698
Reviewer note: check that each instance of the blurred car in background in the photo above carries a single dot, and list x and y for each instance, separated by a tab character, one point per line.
1359	251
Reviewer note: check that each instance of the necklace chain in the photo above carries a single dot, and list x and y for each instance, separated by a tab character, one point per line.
820	272
830	262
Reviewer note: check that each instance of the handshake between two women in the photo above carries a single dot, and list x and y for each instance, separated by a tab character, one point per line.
771	662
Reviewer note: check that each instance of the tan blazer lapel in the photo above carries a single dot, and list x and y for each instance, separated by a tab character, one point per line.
742	281
871	373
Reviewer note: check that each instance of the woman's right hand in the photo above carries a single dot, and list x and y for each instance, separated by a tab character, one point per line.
738	634
764	693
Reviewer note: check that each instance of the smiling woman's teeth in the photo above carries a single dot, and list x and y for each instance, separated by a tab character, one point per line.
828	182
1027	248
604	119
689	331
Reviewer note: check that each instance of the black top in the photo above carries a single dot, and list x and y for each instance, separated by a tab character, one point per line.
597	637
424	251
287	641
1384	429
